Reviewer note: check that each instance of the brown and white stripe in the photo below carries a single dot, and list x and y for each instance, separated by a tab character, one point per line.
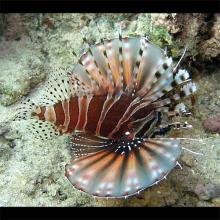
100	115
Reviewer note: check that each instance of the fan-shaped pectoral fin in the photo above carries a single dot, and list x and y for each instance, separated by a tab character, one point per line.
120	168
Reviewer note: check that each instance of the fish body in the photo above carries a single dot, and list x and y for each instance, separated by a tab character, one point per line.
112	104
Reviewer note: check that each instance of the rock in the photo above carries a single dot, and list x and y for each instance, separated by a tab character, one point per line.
21	69
216	202
207	191
188	159
4	128
204	204
211	48
213	124
216	27
13	30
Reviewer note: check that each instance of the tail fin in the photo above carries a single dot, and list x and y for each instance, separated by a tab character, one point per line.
36	128
115	169
24	110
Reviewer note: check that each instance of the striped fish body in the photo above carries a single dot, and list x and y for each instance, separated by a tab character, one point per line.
113	102
101	115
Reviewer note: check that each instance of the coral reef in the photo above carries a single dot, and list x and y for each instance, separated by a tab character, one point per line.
33	45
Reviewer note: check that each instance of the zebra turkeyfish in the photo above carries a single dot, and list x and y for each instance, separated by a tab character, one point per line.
114	104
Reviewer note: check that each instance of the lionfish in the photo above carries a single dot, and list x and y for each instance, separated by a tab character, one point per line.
114	104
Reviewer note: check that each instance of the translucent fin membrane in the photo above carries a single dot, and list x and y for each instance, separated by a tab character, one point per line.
120	168
42	130
57	89
24	110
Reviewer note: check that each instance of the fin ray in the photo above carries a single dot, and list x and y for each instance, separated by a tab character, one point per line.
125	167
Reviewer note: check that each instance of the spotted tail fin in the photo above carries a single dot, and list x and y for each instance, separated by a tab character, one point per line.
24	110
122	168
42	130
39	110
36	128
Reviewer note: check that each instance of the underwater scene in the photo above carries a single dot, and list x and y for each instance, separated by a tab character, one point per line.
110	110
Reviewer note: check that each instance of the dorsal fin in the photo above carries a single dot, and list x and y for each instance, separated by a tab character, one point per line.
57	88
152	59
